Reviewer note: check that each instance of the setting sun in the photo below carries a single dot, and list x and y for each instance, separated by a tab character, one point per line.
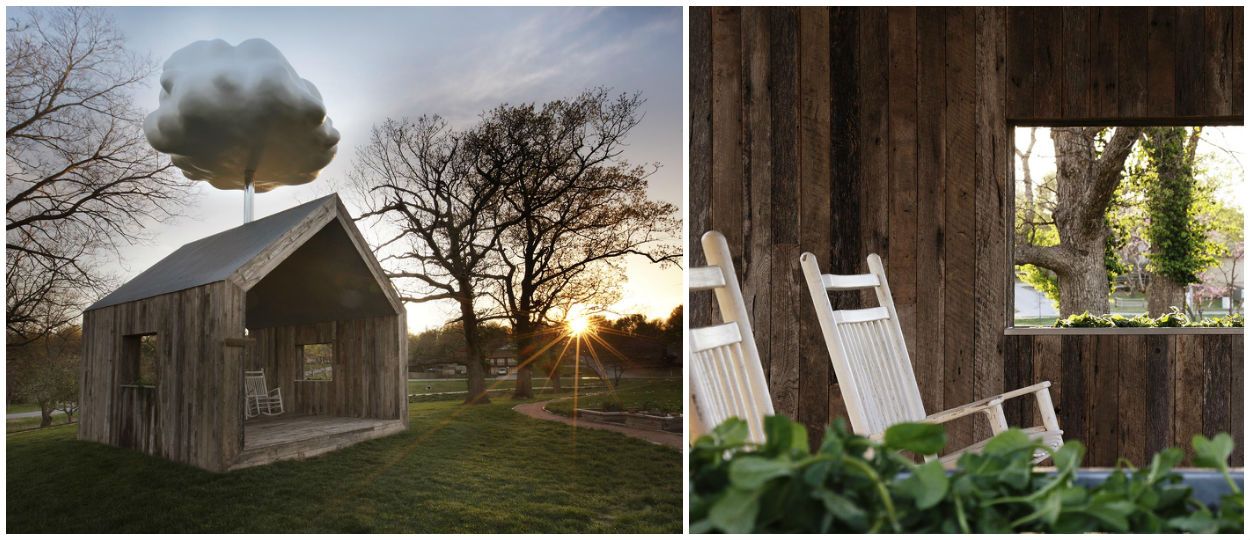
578	325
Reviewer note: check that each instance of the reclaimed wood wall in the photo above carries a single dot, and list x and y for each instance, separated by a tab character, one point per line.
1133	395
1106	64
368	376
848	131
185	417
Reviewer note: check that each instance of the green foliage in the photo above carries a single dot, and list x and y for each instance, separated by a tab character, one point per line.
1179	246
1173	319
852	484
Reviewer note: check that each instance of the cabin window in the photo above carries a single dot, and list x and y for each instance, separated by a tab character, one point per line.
140	362
1138	226
318	361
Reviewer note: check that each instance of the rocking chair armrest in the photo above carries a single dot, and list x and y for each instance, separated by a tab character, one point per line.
1031	389
984	404
963	410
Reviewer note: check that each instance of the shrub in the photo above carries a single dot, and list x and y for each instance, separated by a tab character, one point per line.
1174	319
854	484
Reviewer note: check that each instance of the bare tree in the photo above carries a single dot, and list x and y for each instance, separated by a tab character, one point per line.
1088	172
580	211
80	177
426	180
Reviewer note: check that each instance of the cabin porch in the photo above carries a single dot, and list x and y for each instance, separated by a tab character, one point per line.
267	439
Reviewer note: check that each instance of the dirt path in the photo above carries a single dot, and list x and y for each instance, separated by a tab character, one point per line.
535	410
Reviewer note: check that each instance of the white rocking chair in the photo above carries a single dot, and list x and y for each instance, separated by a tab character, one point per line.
874	371
260	399
726	377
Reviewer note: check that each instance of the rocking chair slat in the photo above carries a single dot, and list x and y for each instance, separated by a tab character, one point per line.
706	277
711	337
861	315
834	282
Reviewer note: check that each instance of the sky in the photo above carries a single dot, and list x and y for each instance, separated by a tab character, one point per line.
373	63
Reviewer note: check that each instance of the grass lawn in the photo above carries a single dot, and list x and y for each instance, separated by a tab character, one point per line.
655	395
484	469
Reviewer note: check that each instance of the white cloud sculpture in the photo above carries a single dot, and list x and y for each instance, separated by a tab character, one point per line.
226	110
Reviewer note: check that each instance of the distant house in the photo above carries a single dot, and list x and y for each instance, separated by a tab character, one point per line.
502	360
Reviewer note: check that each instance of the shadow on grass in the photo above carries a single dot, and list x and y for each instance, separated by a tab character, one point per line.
482	469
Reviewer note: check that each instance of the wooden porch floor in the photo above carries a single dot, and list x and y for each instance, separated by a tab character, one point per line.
274	438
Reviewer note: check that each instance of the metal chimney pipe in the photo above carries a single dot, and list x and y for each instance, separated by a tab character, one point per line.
249	191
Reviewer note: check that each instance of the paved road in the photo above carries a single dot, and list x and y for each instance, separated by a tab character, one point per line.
30	414
536	410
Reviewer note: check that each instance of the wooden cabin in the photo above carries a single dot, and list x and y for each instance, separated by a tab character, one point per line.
298	294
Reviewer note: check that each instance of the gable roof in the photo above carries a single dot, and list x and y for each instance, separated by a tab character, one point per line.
224	255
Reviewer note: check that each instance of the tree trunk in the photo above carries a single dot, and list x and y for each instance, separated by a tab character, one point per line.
1162	294
1084	288
474	368
45	411
523	337
554	377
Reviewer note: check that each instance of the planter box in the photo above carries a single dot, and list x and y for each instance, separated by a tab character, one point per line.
1208	485
635	420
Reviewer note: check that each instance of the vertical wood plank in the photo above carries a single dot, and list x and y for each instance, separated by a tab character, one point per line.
959	240
757	257
1020	69
1048	64
700	165
1190	390
1160	375
1076	62
1191	84
815	205
1132	62
1217	69
1130	385
1217	391
1236	402
846	182
930	204
1104	71
874	84
1048	366
992	149
1074	392
902	271
783	74
727	193
1103	414
1236	56
1161	58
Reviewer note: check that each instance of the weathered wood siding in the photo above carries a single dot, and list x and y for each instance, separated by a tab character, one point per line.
1105	64
188	417
848	131
368	378
1132	395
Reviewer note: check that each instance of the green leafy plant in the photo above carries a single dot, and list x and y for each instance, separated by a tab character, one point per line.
852	484
1173	319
